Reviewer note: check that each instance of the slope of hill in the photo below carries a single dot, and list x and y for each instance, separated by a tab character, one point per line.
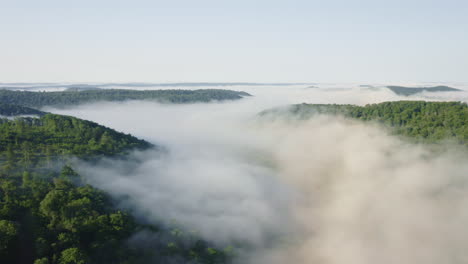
65	98
51	216
424	121
17	110
406	91
31	139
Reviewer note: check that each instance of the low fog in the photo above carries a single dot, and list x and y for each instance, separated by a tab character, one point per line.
326	190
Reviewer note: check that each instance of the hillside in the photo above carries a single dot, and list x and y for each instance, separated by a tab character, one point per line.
406	91
74	97
29	140
50	215
17	110
425	121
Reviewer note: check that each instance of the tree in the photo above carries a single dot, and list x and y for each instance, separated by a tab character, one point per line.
10	158
68	172
8	232
72	256
42	261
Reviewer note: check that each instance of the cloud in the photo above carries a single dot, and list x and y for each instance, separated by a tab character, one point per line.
326	190
367	197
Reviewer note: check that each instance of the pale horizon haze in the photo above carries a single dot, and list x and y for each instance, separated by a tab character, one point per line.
234	41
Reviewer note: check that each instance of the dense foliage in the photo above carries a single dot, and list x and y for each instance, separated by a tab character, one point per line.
51	216
406	91
65	98
17	110
424	121
55	218
26	141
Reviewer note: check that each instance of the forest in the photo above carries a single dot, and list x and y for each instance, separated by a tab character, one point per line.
26	141
74	97
407	91
50	215
421	121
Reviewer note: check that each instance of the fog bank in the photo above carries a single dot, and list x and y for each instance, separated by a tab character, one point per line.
325	191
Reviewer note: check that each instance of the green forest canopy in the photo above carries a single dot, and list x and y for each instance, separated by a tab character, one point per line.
423	121
66	98
30	139
54	217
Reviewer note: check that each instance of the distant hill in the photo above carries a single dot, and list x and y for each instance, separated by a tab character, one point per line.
29	86
424	121
66	98
79	88
16	110
406	91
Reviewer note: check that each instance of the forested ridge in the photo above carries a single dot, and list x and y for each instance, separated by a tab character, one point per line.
423	121
406	91
66	98
26	141
50	215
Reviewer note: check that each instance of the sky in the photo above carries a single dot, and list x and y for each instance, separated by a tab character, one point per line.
234	41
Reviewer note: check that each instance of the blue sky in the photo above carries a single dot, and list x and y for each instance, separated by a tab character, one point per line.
256	41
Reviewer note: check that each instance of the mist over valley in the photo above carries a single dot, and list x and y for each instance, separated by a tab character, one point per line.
290	186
